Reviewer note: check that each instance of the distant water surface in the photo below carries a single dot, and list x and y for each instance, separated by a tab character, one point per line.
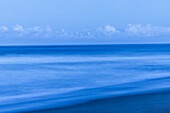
42	77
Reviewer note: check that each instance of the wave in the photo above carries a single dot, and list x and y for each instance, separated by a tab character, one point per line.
72	59
73	96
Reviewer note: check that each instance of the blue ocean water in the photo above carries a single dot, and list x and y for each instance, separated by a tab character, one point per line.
43	77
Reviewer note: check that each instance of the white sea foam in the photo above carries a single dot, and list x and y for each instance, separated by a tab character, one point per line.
63	59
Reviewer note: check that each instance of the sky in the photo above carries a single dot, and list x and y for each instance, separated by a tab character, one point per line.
84	21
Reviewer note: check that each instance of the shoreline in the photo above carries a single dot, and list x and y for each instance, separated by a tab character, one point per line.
158	102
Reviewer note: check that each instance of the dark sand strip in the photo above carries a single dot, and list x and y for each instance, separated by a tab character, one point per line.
146	103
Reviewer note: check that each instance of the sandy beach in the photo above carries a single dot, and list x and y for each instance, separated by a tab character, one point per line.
146	103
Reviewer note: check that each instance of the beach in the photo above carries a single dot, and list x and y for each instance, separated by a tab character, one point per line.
142	103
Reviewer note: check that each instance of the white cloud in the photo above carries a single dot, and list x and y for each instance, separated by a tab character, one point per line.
35	29
18	28
109	28
4	28
107	31
146	30
48	29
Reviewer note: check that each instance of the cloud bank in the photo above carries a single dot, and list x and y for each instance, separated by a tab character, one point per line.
147	30
108	31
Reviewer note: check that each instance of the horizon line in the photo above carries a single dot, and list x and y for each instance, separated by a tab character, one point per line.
78	44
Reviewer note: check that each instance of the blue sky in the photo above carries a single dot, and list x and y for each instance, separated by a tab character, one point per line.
84	21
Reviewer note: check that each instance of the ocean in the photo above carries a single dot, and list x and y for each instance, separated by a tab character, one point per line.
45	77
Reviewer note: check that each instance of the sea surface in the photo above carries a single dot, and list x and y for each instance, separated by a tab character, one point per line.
44	77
